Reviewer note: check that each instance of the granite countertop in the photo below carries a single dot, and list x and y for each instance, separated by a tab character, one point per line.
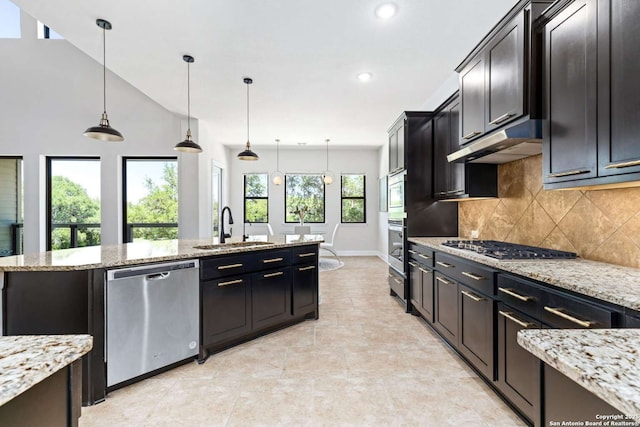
607	282
106	256
604	361
27	360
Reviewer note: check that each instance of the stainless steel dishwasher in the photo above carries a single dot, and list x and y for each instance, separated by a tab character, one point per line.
152	318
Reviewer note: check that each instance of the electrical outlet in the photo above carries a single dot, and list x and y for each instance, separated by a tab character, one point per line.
475	234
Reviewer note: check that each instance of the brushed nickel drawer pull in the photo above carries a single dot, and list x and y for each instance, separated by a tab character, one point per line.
472	296
266	261
306	255
558	312
455	191
412	252
230	282
224	267
413	264
473	276
510	292
442	193
502	118
311	267
279	273
569	173
423	270
424	256
511	317
445	281
471	134
623	165
445	264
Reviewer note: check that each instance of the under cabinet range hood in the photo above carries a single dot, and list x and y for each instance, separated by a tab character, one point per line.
514	142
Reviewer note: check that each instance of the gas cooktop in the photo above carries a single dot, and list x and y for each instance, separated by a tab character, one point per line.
505	251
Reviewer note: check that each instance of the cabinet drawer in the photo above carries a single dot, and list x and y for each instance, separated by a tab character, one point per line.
421	254
473	275
563	311
520	294
304	254
476	335
212	268
273	259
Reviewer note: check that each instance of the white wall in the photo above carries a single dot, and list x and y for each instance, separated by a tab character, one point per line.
352	239
51	92
383	231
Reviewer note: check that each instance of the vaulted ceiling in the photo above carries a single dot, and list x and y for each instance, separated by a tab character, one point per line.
303	56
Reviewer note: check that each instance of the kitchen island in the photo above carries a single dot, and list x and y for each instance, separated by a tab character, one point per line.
263	285
40	379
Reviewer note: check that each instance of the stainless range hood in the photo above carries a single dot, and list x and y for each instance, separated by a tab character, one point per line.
514	142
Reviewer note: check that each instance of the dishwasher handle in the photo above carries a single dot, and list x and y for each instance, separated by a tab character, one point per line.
152	272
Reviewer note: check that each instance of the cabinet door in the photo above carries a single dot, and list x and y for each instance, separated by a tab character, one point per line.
472	97
446	308
393	150
519	371
401	148
226	309
441	145
415	285
427	293
476	337
505	74
270	297
570	140
456	184
305	289
618	86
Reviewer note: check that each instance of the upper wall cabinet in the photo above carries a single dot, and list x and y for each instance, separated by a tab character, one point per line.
497	81
396	145
591	93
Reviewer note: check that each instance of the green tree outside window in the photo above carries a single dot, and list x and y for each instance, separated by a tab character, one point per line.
353	200
304	191
256	198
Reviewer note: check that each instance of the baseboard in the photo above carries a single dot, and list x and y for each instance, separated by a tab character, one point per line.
352	253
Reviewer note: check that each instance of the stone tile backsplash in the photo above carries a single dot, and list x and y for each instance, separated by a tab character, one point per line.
601	225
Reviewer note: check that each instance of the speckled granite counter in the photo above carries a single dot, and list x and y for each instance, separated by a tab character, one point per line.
607	282
27	360
604	361
140	252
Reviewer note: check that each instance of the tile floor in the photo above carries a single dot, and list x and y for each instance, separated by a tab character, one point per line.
363	363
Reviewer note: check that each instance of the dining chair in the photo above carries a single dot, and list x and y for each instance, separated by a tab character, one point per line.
269	229
328	246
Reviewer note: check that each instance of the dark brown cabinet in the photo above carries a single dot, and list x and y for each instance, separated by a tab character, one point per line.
472	90
446	307
476	336
226	308
591	127
305	285
396	146
270	297
421	281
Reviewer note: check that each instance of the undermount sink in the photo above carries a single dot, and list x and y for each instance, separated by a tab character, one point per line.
219	246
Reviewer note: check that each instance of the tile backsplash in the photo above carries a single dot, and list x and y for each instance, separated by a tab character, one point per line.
601	225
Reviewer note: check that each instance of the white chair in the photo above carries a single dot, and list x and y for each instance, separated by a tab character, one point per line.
269	229
328	246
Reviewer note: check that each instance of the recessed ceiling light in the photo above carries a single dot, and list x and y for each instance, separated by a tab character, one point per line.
364	77
386	10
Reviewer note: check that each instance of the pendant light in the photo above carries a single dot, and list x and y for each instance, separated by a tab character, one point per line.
104	131
188	145
277	177
247	154
327	176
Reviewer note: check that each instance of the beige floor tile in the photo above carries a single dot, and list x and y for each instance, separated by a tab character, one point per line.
365	362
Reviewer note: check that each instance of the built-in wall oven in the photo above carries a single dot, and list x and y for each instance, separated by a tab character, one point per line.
395	196
396	257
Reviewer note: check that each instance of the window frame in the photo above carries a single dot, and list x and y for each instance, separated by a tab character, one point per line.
363	198
125	222
324	198
18	226
245	198
48	171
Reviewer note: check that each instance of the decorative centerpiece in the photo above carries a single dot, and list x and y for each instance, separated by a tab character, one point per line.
301	211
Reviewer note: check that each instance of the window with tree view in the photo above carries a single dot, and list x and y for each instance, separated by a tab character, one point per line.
304	198
73	202
256	198
353	199
150	198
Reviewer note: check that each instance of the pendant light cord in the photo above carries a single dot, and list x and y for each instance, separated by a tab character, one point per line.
104	69
278	155
188	97
247	112
327	155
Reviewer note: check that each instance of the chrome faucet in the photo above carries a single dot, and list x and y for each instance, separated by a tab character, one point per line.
223	235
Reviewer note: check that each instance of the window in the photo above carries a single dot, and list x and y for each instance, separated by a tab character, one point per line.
45	32
9	20
256	197
353	209
73	202
11	206
304	192
150	197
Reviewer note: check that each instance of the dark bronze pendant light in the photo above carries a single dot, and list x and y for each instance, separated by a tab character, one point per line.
104	131
247	154
188	145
